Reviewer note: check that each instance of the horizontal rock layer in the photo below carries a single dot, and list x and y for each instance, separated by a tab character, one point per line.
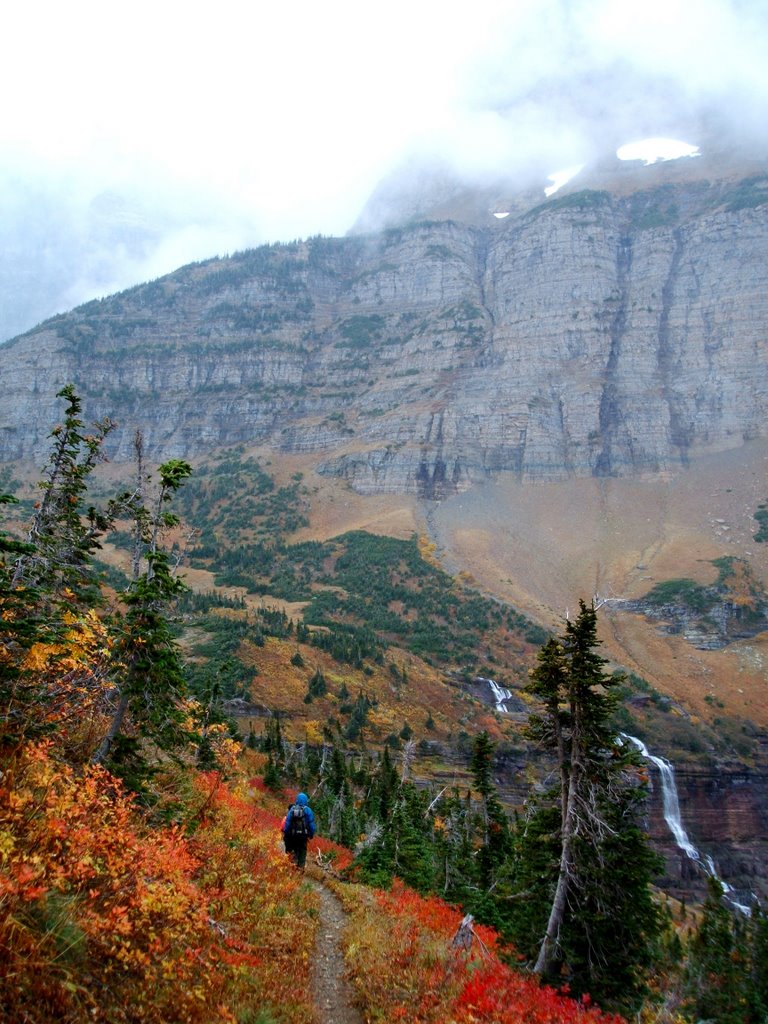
724	814
594	334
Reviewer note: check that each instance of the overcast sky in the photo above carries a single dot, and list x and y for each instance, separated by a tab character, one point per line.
224	125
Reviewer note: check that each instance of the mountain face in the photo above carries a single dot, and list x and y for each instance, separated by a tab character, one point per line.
607	332
594	334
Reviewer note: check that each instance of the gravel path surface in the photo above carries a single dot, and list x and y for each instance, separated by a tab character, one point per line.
333	995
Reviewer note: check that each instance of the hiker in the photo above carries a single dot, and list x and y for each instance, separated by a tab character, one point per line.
298	828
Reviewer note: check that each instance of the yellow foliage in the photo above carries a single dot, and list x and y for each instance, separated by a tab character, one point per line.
314	732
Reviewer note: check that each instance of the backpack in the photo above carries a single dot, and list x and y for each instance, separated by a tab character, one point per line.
298	826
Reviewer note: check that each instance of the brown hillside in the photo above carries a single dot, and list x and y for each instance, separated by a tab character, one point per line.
541	546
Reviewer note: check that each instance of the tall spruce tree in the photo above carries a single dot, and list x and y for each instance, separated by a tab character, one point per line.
601	925
52	582
149	676
493	825
64	534
20	627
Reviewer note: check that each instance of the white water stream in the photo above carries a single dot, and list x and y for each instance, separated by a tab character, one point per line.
669	797
500	693
673	818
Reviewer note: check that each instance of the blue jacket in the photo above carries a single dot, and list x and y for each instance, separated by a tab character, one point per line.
303	801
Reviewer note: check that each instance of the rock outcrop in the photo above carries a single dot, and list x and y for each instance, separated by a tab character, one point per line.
596	333
734	607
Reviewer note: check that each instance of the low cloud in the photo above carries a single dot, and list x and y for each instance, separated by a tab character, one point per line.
143	138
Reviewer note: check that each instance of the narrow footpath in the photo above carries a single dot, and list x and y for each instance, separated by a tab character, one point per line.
332	993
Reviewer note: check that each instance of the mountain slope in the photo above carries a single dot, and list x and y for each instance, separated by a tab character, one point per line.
610	339
594	334
570	400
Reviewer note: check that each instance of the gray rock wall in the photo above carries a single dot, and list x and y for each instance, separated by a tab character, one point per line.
592	335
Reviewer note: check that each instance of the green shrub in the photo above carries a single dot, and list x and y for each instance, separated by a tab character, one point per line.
681	591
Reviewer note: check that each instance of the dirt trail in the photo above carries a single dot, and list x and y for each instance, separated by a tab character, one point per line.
333	995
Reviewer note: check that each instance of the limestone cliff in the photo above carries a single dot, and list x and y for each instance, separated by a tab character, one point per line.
596	333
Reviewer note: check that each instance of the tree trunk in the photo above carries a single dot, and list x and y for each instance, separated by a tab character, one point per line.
572	775
138	540
550	942
115	726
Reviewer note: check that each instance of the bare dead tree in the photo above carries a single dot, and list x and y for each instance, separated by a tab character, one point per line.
409	752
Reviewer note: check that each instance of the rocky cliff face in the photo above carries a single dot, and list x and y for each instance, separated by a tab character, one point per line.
723	810
734	607
724	814
594	334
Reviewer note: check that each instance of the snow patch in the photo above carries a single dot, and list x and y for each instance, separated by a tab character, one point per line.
560	178
651	151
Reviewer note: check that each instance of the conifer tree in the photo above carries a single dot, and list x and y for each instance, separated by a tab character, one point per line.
725	974
317	685
273	737
481	765
335	774
494	827
357	718
381	796
399	840
335	801
759	967
149	676
411	840
64	535
272	777
601	925
52	584
20	627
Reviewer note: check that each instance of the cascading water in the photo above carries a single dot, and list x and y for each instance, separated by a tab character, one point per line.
673	818
670	801
500	693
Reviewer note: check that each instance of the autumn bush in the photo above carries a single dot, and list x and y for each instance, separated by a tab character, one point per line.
406	967
105	919
91	905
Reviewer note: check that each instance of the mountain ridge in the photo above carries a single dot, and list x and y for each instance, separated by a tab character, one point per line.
592	335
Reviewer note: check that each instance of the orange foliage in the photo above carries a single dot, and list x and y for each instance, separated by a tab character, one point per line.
104	919
84	891
66	681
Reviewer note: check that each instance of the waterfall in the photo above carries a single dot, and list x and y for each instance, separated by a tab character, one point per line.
500	693
670	801
673	818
